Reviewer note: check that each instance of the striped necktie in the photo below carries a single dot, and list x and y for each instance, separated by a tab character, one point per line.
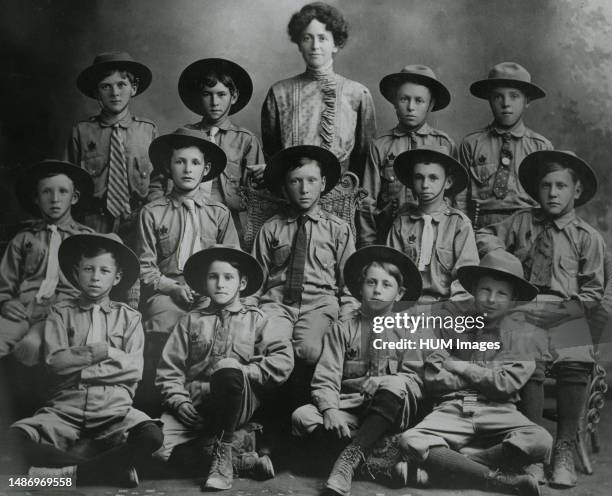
117	192
295	272
49	284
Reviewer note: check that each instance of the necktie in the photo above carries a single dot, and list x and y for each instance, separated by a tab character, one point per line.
413	143
47	288
190	241
500	186
117	192
295	272
96	332
427	241
541	265
212	133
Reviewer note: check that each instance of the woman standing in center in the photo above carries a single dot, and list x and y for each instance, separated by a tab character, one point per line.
320	107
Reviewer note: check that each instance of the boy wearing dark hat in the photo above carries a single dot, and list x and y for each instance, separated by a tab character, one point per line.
563	256
358	392
113	145
434	235
94	351
492	155
215	89
218	359
415	91
475	391
30	279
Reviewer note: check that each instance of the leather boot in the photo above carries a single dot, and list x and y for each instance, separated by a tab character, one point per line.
523	485
221	473
342	473
563	469
254	466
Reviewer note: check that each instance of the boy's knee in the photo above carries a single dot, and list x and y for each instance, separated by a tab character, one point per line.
573	372
228	378
308	352
304	420
147	435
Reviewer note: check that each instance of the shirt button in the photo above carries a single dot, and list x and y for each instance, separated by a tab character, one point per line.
484	195
505	161
392	178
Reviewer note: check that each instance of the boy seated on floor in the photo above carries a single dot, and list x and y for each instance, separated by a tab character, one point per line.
216	361
93	349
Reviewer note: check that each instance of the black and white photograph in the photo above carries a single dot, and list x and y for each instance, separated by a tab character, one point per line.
293	248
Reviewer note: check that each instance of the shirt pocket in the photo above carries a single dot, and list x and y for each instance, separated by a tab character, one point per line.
199	347
354	369
206	242
230	185
280	256
244	349
483	175
326	263
167	246
116	338
94	163
33	259
139	174
569	269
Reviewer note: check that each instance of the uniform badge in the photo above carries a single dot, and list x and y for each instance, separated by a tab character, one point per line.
28	245
91	146
163	230
412	238
482	159
391	157
274	243
70	332
351	354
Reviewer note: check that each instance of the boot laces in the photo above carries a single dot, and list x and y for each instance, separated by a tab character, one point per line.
348	461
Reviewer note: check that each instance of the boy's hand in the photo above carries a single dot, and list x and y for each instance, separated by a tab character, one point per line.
188	415
182	294
333	422
13	310
256	171
370	386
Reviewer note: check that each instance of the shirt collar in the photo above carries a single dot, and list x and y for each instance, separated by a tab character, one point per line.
560	222
66	225
518	131
108	121
313	215
225	125
424	130
85	304
416	214
234	307
176	197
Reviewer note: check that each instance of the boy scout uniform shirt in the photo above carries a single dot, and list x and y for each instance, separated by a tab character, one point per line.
204	337
329	244
578	250
242	148
89	148
480	153
160	231
116	361
349	358
24	264
454	246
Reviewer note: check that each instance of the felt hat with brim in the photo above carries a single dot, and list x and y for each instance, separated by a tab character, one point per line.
353	268
161	149
530	172
418	74
73	247
29	177
190	83
89	78
507	74
197	266
498	264
404	164
276	169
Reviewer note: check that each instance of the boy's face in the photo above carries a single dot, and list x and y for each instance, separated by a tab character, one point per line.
114	92
412	105
98	275
317	45
558	192
430	182
187	167
379	290
54	196
224	283
304	185
216	102
507	105
493	297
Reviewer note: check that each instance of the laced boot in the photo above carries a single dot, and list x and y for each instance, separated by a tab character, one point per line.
563	468
523	485
342	473
252	465
221	473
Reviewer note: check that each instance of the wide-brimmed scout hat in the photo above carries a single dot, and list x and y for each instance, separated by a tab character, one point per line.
405	162
197	265
88	79
419	74
531	167
161	148
189	85
353	267
499	264
508	74
276	169
72	248
28	178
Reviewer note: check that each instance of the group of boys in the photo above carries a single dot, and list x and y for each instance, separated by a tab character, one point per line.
175	198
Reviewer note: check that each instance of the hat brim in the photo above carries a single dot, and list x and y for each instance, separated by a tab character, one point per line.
276	169
28	178
404	164
198	263
482	89
191	78
72	247
88	79
353	267
161	148
469	275
440	93
529	170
